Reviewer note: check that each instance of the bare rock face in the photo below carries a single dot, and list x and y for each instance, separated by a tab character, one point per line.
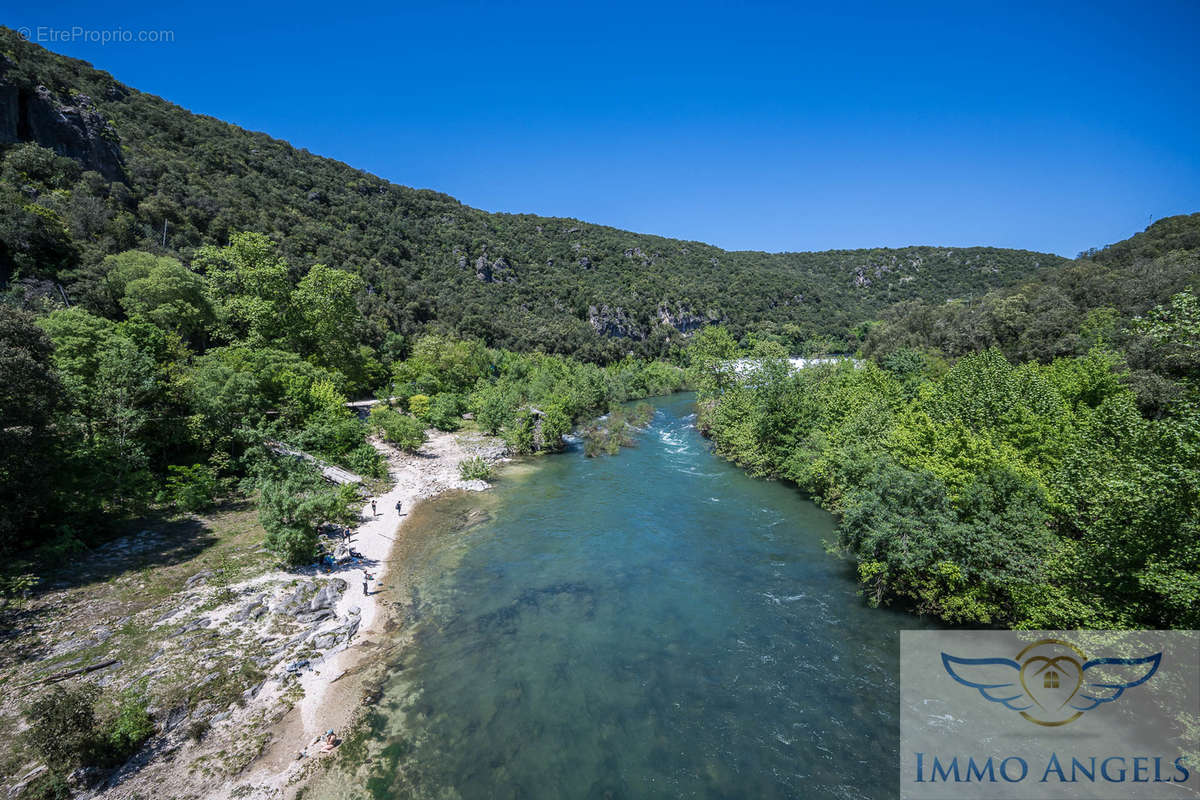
72	127
10	113
614	322
498	271
682	319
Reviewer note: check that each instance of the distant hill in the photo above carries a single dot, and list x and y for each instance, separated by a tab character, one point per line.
130	166
1167	234
1066	311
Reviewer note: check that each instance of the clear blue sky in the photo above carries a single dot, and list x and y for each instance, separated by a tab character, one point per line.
1049	126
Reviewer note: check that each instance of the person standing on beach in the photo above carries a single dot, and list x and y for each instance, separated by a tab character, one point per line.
374	513
366	577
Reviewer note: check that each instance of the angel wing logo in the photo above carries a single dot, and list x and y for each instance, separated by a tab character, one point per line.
1051	682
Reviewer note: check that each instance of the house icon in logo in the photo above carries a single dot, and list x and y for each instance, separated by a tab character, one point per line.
1051	682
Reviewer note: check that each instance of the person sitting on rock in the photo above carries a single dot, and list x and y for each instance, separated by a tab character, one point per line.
328	742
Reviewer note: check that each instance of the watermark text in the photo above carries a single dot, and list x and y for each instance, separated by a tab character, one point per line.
48	34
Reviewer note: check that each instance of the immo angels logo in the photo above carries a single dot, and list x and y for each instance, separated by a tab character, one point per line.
1051	682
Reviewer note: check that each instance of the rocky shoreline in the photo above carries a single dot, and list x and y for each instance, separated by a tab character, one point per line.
245	673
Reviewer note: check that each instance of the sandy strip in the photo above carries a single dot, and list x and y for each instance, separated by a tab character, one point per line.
331	700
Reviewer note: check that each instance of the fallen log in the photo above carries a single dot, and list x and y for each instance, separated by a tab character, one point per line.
62	676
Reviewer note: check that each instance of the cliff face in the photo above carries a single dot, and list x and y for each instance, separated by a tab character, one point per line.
614	322
71	127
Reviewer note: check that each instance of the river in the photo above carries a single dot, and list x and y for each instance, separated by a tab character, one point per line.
651	624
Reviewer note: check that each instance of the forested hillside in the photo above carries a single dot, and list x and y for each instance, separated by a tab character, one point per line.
90	167
1030	458
1065	312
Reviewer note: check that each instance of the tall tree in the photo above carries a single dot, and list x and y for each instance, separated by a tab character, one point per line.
249	288
159	289
30	393
329	319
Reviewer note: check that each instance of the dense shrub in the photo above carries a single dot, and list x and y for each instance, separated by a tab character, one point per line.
445	412
292	504
986	493
191	488
608	434
65	733
127	731
402	430
475	468
419	405
366	460
50	785
62	726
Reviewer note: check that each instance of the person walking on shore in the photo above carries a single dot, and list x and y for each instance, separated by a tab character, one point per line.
374	513
398	507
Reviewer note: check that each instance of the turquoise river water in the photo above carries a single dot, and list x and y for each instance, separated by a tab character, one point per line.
651	624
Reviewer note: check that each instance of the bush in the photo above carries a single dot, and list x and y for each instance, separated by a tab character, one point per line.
419	405
404	431
610	434
494	405
555	424
126	732
331	437
16	586
49	786
191	488
62	726
198	729
475	468
366	460
445	412
64	733
518	434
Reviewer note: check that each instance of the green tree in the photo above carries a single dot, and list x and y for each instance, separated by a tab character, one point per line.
291	506
329	318
248	287
30	397
112	387
1173	332
125	385
445	412
443	364
1175	328
161	290
494	404
399	429
709	354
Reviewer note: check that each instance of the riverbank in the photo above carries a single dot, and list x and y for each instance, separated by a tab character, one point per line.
656	623
333	694
243	664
